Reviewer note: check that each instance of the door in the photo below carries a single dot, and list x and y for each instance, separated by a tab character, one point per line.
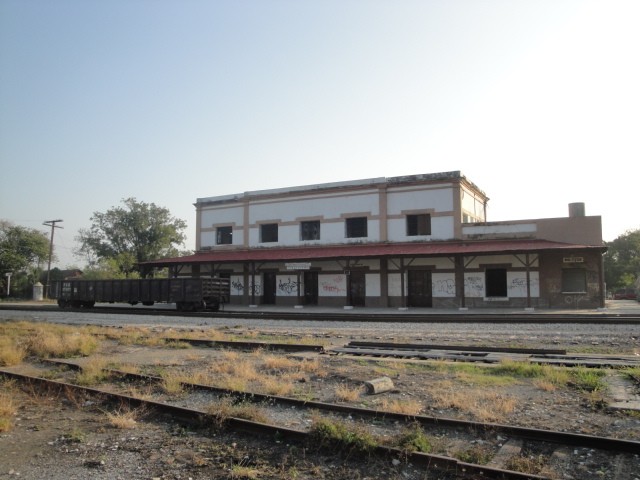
419	288
269	288
310	288
357	288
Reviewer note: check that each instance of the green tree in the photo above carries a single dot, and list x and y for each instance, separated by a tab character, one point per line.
622	260
122	237
22	251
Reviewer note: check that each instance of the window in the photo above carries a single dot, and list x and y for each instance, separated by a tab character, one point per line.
310	230
495	282
224	235
574	280
418	225
269	232
356	227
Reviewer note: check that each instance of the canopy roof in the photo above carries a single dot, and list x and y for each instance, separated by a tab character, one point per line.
363	250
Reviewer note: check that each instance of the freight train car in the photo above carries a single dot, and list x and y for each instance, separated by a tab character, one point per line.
189	294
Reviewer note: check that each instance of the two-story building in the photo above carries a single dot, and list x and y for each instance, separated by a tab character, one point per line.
411	241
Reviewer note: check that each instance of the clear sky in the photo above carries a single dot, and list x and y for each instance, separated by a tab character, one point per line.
537	102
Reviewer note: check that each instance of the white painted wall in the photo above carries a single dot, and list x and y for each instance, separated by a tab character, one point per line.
443	285
438	199
332	285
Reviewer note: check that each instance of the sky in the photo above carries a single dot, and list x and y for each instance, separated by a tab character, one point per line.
166	101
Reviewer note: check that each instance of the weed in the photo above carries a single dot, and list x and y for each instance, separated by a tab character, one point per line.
123	419
588	379
225	409
75	436
93	371
340	436
7	412
276	386
478	454
413	439
345	393
11	353
172	383
242	472
523	464
407	406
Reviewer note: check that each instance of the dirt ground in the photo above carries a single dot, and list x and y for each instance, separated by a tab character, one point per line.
57	437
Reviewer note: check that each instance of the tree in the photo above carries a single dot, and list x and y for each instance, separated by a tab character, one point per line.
622	260
128	235
22	250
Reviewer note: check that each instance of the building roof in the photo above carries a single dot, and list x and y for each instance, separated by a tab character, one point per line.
362	250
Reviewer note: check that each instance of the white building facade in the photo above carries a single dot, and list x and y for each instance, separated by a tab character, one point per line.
411	241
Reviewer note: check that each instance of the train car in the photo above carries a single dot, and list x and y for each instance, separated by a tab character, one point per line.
189	294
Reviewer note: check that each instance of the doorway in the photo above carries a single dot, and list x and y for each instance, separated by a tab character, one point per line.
419	290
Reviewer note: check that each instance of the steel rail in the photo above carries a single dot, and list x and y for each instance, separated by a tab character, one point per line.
550	436
199	418
364	316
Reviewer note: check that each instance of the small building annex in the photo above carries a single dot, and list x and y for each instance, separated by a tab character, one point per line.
410	241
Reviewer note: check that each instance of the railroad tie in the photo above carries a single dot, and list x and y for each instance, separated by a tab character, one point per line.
511	448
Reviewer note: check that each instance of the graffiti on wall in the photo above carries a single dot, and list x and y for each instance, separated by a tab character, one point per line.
333	285
444	287
288	286
237	287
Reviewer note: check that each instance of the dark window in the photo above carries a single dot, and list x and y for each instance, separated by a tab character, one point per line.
574	280
269	232
496	282
418	225
356	227
310	230
224	235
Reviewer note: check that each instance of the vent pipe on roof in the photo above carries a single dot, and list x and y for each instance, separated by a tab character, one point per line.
576	209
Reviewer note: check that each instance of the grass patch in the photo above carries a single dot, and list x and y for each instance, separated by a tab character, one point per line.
345	393
7	410
93	371
123	419
478	454
588	379
340	436
406	406
413	439
226	408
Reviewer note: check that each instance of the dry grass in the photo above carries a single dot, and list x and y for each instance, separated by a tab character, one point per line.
406	406
275	386
484	405
93	371
345	393
225	408
10	352
173	383
278	363
123	419
7	411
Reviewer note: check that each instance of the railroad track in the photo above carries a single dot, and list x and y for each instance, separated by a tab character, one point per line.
483	354
506	440
360	316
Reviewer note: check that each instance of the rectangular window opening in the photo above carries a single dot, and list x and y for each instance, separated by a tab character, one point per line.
224	235
356	227
269	232
496	282
310	230
574	280
418	225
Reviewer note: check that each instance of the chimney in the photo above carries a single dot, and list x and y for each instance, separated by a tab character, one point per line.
576	209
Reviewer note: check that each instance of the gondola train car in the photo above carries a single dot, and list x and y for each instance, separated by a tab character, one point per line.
188	294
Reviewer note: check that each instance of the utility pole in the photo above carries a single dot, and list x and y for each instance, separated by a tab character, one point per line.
52	224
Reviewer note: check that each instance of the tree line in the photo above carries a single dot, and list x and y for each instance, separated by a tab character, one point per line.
112	247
